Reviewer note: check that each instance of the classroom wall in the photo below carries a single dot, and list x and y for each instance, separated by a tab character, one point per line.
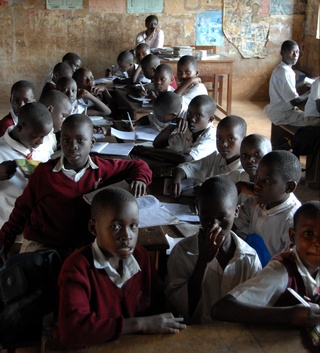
34	39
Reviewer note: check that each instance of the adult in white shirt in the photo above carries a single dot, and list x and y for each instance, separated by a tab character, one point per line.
153	36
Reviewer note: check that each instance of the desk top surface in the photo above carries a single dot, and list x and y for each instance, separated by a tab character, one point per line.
216	338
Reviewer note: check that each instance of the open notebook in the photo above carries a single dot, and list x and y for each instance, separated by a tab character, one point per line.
116	149
145	133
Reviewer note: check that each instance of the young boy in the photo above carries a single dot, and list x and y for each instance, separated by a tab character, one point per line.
141	51
22	92
149	64
265	298
268	215
204	267
73	60
121	287
199	140
51	212
162	80
230	132
24	140
127	66
68	86
88	94
190	84
60	70
284	98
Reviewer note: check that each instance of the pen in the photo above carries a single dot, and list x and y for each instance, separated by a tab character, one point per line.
144	90
129	117
171	123
301	300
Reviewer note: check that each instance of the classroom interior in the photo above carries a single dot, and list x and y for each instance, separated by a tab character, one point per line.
35	39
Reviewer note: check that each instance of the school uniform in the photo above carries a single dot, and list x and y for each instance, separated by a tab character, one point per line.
204	145
193	91
49	86
282	90
8	120
10	189
217	282
207	167
311	114
236	176
51	209
78	108
269	285
271	225
95	300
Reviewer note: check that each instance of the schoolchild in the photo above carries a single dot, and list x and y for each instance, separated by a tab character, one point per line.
68	86
60	70
73	60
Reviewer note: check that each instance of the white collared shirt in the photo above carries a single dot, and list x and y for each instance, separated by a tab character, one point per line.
72	174
130	266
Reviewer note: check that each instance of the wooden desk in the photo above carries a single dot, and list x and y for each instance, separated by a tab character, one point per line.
220	66
216	338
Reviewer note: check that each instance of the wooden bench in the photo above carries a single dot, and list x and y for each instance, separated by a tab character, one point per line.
279	133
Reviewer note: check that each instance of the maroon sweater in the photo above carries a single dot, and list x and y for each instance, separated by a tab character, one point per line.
5	123
51	209
92	308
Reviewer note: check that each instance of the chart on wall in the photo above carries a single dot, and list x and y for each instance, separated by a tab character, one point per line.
209	28
145	6
246	25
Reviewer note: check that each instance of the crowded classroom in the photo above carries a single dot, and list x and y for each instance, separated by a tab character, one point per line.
159	176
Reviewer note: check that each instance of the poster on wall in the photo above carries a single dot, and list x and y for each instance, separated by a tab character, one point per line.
64	4
209	29
288	7
246	25
145	6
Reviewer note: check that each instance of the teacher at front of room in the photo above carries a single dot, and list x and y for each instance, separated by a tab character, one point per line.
153	36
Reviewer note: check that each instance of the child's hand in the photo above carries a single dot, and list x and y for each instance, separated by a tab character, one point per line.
7	170
305	316
108	73
209	240
138	188
163	323
175	188
82	93
182	125
95	90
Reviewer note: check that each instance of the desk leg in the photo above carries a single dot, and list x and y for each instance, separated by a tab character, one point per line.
229	94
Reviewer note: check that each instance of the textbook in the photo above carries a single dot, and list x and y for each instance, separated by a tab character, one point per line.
27	166
116	149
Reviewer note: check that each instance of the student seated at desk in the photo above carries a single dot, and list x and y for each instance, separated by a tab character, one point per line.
206	266
141	51
126	66
60	70
22	92
73	60
312	108
89	94
110	288
190	84
68	86
230	132
51	212
265	219
162	81
265	298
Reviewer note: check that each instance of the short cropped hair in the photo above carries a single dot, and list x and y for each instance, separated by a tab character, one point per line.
310	209
63	69
234	120
288	44
71	57
76	119
63	81
217	188
255	138
285	164
22	84
167	103
188	59
150	60
78	74
125	57
109	197
205	101
165	68
36	113
144	46
53	97
151	18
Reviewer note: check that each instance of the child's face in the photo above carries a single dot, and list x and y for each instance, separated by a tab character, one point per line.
117	231
148	71
124	66
59	112
229	139
250	155
76	143
269	187
31	135
86	81
306	236
198	118
291	56
186	71
75	64
219	212
162	80
20	97
70	90
141	53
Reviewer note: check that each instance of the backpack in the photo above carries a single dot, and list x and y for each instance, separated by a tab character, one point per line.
28	291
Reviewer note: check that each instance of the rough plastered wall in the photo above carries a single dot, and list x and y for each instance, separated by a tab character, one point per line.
34	39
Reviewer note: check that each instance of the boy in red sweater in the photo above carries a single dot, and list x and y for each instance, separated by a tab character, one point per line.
107	288
51	212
